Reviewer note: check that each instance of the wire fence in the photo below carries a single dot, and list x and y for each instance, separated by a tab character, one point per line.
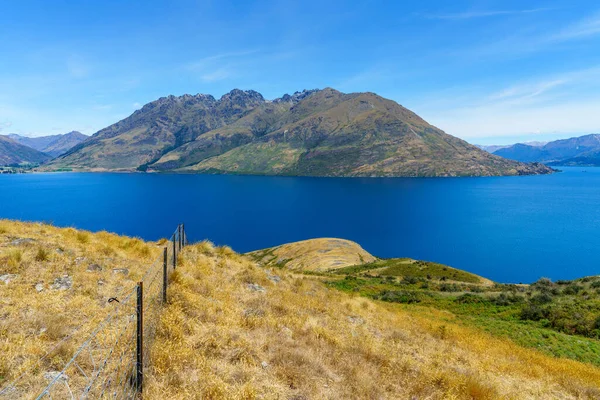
110	364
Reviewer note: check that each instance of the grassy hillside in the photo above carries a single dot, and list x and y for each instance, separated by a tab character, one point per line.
36	313
235	330
313	255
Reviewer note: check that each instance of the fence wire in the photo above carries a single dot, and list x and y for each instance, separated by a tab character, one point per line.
106	365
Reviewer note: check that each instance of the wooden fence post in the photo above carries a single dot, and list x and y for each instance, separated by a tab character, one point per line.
183	244
140	338
165	276
174	253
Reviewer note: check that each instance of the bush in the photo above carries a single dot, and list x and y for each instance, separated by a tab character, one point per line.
533	312
409	280
506	300
541	298
468	298
595	284
405	297
572	289
450	287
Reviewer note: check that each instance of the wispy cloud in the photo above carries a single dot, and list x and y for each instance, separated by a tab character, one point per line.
561	103
586	27
220	66
77	67
483	14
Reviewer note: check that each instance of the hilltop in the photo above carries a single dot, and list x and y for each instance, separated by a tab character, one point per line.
233	329
310	133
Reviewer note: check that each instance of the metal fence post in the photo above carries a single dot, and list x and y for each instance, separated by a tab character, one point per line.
140	338
165	276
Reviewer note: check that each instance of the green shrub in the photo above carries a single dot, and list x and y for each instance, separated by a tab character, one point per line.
400	296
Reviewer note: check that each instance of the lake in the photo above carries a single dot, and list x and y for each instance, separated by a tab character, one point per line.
509	229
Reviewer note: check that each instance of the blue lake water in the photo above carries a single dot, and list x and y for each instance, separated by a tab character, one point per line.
510	229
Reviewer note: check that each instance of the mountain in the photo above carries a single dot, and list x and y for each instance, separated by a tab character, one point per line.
583	150
53	145
64	143
311	133
494	147
12	152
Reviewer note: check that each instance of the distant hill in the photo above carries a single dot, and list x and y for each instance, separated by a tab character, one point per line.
494	147
53	145
310	133
583	150
314	255
12	152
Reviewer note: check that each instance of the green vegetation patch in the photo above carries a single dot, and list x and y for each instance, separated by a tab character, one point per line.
407	267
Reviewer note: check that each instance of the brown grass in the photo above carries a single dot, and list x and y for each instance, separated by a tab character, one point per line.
320	254
32	322
219	339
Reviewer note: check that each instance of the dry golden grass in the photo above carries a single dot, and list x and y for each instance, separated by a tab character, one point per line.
32	322
219	338
315	255
223	337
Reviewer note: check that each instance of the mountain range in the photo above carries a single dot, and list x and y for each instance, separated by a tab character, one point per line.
18	149
15	153
310	133
576	151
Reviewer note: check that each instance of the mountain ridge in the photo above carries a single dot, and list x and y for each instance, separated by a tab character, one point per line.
318	132
581	150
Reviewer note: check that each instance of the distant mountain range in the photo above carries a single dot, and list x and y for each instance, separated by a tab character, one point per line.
17	149
311	133
493	148
577	151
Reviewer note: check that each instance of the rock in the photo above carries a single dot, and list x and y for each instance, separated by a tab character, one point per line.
254	312
274	278
20	241
52	375
79	260
264	364
286	332
94	267
6	278
65	282
100	282
60	251
256	288
123	271
39	287
356	320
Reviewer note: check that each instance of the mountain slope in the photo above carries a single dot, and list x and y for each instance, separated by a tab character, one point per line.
64	143
582	150
53	145
12	152
315	133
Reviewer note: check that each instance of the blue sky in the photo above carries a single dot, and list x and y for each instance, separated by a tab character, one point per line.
485	71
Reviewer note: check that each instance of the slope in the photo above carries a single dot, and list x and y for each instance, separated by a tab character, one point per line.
12	152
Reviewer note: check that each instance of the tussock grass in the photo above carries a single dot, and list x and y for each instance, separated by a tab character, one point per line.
221	339
33	322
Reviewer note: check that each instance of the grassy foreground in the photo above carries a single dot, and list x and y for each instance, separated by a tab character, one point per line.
235	330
